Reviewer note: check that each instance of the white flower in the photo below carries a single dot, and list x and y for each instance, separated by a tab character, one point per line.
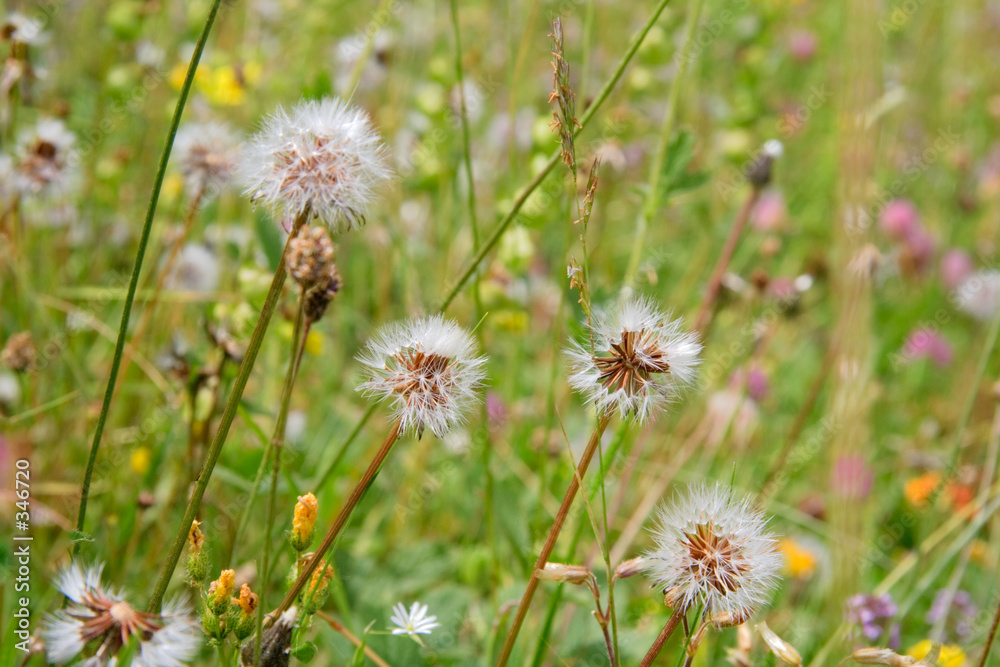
773	148
323	158
413	622
45	164
641	359
103	618
713	550
979	295
428	368
20	29
196	270
208	155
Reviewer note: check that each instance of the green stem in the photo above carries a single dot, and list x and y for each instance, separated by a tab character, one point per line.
653	198
466	143
276	444
599	100
225	422
134	282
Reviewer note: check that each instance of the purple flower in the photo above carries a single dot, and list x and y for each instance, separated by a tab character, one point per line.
900	219
851	477
956	266
758	385
928	344
802	45
874	613
962	611
769	213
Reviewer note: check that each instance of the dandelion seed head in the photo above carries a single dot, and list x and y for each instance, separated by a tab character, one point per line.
196	270
641	360
44	164
208	156
713	550
322	157
428	368
101	616
979	295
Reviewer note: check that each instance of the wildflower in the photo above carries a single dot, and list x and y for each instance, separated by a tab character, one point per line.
874	613
758	385
276	643
323	159
43	161
314	594
713	550
196	270
800	562
642	358
899	219
769	213
918	490
220	590
246	603
19	353
428	368
950	656
101	616
979	295
413	622
310	256
802	45
928	344
779	646
19	29
851	477
304	522
956	266
208	157
197	564
958	608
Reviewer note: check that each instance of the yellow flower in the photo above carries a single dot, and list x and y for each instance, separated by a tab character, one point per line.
304	521
314	343
247	601
140	460
221	590
919	489
799	561
951	655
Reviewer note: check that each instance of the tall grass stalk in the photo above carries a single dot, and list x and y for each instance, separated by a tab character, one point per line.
147	225
226	421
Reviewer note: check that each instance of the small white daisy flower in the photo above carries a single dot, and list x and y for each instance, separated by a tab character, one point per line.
45	164
641	359
101	617
413	622
713	549
208	156
323	158
979	295
428	368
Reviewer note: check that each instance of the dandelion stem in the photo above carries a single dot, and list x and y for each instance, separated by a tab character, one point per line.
276	444
343	518
550	541
599	100
133	285
665	633
990	637
226	421
704	317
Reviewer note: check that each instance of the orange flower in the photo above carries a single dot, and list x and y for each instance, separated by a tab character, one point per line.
919	489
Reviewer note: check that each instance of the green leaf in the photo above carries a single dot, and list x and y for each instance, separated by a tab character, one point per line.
676	177
81	536
305	652
270	239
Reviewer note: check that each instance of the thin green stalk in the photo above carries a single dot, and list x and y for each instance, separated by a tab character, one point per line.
466	143
599	100
226	421
276	444
653	198
134	281
607	562
989	638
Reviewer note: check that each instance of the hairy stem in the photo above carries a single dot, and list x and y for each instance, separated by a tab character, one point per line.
550	541
147	225
226	421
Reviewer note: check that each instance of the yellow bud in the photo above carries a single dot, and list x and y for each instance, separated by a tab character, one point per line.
304	521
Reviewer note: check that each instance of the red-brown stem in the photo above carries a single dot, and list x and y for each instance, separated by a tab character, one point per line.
990	637
665	633
351	637
345	515
704	316
550	541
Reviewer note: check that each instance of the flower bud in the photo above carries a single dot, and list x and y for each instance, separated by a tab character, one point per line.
198	562
220	590
881	656
577	575
304	522
779	646
245	621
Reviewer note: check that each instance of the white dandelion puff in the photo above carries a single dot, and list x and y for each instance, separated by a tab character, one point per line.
196	270
45	163
713	550
428	368
979	295
208	156
100	617
641	360
324	158
413	622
